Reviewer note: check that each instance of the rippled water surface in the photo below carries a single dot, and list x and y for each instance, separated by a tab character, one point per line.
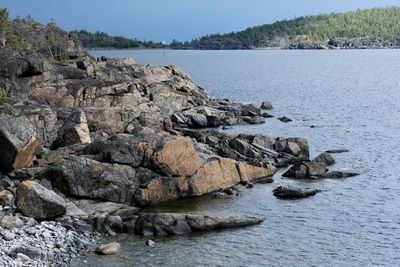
354	96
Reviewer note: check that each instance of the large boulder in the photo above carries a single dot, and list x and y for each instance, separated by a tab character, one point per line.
18	143
83	177
75	130
34	200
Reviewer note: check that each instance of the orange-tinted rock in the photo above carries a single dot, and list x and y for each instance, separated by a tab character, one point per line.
251	173
177	157
214	175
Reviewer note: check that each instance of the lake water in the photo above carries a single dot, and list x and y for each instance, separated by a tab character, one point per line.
354	96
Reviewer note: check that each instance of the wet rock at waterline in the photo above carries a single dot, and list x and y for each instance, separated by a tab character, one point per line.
336	175
285	119
337	151
163	224
266	105
108	249
325	157
294	193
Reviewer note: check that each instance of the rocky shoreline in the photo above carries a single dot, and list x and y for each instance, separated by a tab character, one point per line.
86	143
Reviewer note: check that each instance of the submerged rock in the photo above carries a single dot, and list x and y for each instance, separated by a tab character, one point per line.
285	119
336	175
294	193
337	151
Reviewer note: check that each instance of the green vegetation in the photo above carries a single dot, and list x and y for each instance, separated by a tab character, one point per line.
373	23
103	40
4	72
4	26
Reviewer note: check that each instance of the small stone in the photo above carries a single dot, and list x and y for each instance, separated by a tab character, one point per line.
10	222
150	243
108	249
8	236
22	257
285	119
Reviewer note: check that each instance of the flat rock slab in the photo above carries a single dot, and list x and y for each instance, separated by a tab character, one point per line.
163	224
336	175
337	151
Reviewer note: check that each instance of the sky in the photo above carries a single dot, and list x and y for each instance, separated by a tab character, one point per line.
164	20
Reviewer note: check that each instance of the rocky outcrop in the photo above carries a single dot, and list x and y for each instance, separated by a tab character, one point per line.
163	224
36	201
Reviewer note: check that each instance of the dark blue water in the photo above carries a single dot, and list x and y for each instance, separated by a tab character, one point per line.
354	96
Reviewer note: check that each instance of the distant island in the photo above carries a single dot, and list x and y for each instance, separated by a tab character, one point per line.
369	28
361	29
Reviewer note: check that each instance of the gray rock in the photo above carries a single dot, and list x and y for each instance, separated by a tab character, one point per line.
267	115
150	243
6	198
10	222
315	168
180	224
38	202
199	121
7	235
22	257
285	119
83	177
336	175
325	157
266	105
337	151
294	193
298	171
74	131
17	142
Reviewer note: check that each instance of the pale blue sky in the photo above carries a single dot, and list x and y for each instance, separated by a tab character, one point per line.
163	20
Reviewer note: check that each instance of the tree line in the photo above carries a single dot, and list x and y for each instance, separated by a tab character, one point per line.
377	22
103	40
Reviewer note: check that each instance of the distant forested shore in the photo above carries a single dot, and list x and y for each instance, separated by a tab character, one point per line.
361	29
